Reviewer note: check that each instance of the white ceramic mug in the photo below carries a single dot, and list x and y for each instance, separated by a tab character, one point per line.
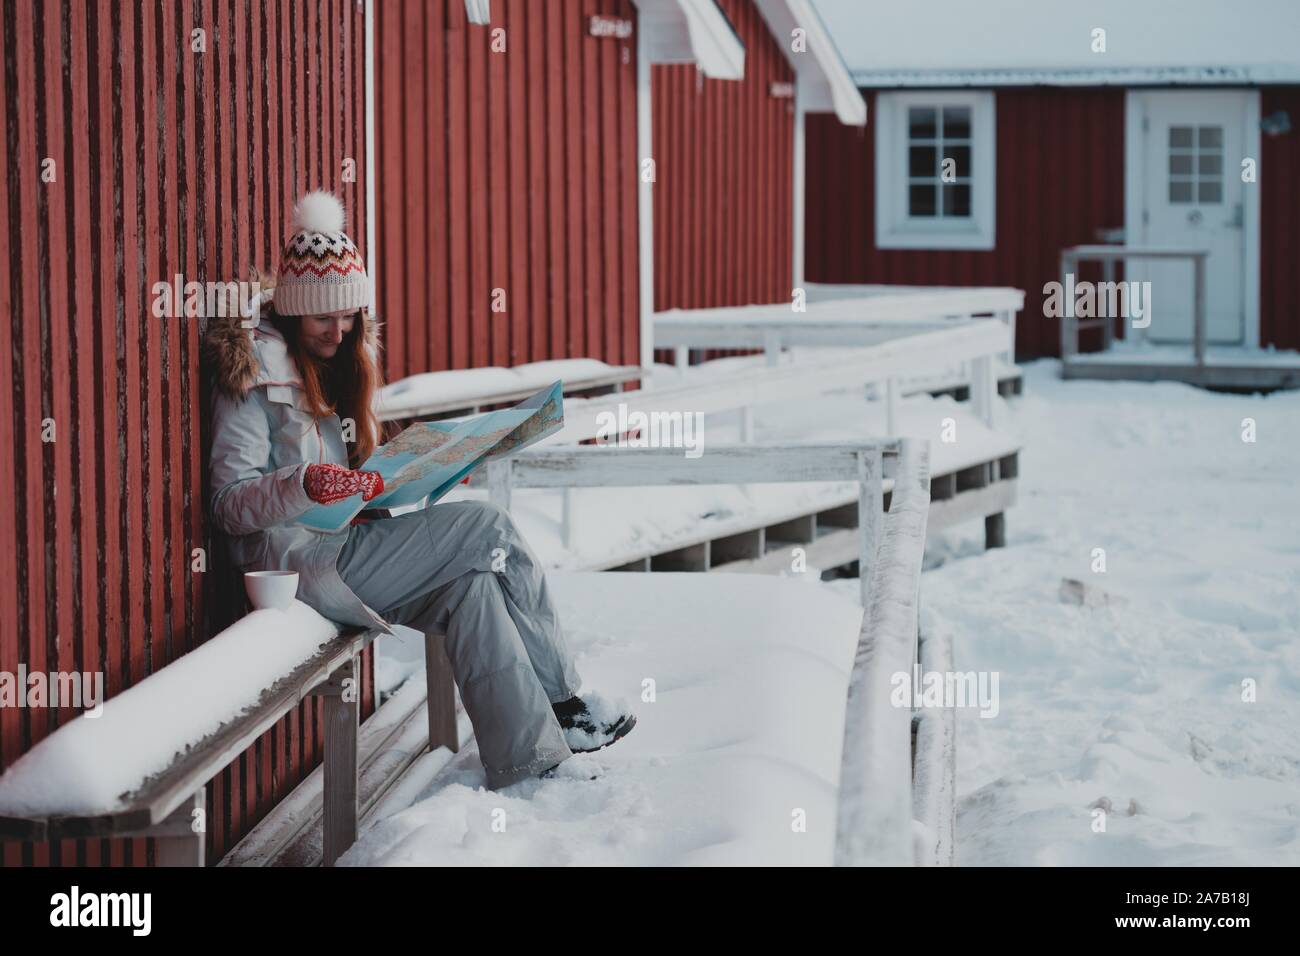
271	589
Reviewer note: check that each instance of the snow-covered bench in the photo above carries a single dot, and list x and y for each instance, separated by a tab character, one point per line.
139	769
468	390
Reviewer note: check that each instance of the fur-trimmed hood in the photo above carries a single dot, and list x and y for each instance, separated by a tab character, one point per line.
242	358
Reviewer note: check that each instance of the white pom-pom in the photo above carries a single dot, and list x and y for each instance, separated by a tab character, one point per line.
319	211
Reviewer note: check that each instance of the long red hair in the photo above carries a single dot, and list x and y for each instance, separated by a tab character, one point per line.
344	385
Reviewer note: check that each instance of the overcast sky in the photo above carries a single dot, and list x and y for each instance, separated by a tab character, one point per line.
902	34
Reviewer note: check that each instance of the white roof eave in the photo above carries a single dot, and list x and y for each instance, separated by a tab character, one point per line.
1080	76
692	31
826	85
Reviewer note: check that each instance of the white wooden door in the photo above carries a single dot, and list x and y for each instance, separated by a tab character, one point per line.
1188	178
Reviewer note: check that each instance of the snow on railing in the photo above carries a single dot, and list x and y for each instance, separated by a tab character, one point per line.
973	342
842	317
434	393
875	818
610	466
934	773
921	348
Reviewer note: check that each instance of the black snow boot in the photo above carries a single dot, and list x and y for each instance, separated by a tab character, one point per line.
593	723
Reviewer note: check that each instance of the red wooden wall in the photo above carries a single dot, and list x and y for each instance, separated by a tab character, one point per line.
511	170
1060	177
1279	246
166	161
723	196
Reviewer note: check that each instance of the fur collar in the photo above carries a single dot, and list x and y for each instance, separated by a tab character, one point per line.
243	358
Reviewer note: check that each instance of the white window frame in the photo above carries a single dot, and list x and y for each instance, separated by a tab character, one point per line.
895	229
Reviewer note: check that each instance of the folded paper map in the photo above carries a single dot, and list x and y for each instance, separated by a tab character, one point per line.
428	459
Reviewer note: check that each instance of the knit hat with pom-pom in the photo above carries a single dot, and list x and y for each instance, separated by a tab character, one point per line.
321	269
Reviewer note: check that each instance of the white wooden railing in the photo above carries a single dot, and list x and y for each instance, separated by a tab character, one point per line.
1108	255
976	342
914	348
609	466
876	795
837	316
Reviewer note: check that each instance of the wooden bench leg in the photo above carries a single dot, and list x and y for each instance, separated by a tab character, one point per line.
176	841
441	695
995	531
342	693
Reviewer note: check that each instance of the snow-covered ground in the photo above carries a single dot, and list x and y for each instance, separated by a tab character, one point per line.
740	745
1138	700
1132	699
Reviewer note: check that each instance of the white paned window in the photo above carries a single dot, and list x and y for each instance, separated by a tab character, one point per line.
1196	164
935	170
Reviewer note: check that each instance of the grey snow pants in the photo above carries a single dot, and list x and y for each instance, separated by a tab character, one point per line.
433	570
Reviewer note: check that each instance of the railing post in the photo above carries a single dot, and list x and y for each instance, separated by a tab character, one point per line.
1198	308
1069	345
871	507
568	517
176	842
342	718
934	775
983	388
891	407
1108	329
772	346
499	480
440	694
1009	317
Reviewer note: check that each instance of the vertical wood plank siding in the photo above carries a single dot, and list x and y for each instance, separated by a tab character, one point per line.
511	170
724	188
1060	177
1279	246
165	161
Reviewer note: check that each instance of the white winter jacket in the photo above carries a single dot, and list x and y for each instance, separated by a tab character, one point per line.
263	439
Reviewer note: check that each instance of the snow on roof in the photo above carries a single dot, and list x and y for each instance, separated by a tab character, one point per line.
692	31
1049	76
825	84
1051	40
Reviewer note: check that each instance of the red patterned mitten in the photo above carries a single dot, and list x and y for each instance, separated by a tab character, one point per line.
330	483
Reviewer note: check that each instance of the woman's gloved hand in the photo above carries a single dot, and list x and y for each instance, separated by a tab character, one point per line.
330	483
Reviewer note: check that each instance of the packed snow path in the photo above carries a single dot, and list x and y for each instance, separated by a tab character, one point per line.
736	760
1136	701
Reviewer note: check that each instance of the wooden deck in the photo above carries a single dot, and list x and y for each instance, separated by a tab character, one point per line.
827	532
1225	367
1140	360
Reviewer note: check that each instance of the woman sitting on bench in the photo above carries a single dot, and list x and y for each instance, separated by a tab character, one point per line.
293	417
